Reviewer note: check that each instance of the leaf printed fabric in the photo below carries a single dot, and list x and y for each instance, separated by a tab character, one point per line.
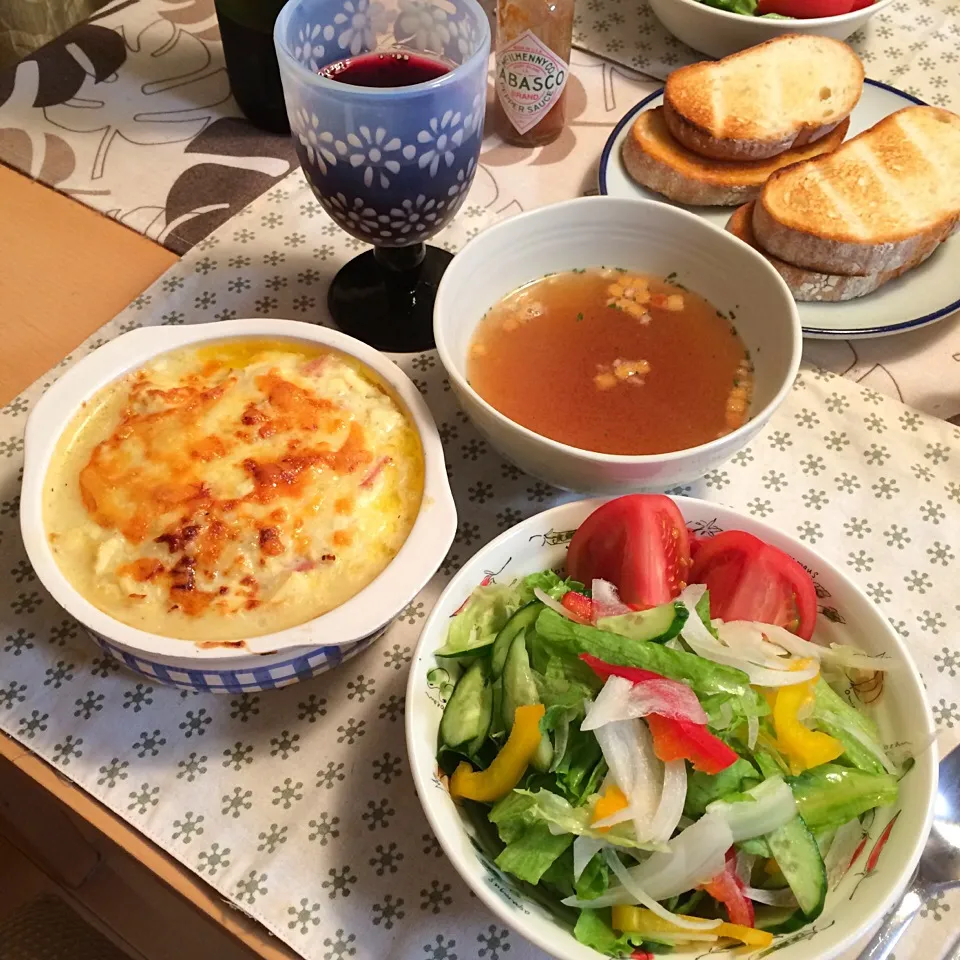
131	113
297	805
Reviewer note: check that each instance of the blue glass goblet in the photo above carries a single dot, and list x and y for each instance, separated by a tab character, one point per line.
389	159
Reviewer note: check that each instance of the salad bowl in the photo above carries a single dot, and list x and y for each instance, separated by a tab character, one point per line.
720	32
864	881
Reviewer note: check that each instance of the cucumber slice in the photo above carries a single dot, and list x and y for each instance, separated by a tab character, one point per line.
777	920
468	711
520	689
794	848
525	617
658	624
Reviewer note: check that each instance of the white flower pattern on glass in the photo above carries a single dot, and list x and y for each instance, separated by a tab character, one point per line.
423	25
464	179
359	22
317	143
443	135
463	36
416	215
309	49
354	214
369	150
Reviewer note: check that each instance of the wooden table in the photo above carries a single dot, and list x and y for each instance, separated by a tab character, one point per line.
66	271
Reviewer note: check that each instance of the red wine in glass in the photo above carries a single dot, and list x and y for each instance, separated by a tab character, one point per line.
398	69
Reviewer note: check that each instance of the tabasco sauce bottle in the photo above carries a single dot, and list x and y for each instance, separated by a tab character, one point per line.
533	64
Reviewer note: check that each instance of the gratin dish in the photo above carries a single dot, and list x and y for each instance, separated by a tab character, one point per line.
718	33
274	658
892	843
642	235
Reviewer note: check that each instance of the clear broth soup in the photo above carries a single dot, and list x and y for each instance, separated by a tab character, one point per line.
613	361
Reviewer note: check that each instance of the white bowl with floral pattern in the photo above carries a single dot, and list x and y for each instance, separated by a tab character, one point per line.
893	838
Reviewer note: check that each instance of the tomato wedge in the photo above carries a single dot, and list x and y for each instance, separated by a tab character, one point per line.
637	542
807	9
751	580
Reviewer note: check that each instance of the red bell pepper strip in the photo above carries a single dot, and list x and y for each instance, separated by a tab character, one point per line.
727	888
603	670
684	740
579	605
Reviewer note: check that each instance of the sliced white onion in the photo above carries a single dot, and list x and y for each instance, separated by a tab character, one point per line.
745	862
674	644
620	699
750	641
775	898
672	797
835	653
606	600
628	749
584	850
841	851
753	730
621	816
772	806
679	938
554	605
641	896
692	857
702	642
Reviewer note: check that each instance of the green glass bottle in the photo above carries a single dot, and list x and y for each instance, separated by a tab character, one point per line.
246	29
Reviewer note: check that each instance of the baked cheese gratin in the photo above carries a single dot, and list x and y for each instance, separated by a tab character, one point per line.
233	489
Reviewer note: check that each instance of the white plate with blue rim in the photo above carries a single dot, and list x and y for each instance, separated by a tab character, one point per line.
921	296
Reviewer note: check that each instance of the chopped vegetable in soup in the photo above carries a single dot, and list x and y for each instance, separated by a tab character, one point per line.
613	361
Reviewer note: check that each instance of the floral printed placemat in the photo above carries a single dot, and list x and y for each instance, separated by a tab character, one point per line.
297	805
913	44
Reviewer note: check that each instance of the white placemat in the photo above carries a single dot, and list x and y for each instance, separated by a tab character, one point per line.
912	45
297	805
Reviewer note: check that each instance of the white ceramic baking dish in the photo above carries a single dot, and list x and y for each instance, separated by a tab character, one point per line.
338	631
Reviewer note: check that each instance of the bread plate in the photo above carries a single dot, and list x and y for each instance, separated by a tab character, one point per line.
924	295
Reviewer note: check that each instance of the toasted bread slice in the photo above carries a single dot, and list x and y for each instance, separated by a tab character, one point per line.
874	204
764	100
656	161
808	285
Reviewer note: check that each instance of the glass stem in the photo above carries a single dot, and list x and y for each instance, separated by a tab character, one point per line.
400	259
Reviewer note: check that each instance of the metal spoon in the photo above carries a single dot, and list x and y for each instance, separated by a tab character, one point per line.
939	868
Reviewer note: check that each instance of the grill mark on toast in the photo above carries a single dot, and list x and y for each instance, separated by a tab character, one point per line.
891	192
845	213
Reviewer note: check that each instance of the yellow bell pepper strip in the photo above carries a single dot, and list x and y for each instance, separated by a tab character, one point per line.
802	747
508	766
642	921
611	801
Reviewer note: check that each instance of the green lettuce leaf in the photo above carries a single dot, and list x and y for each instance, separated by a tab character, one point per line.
831	795
593	930
520	809
746	7
703	676
488	608
594	880
833	715
533	852
704	788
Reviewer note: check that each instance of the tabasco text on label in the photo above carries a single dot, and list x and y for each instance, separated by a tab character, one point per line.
530	80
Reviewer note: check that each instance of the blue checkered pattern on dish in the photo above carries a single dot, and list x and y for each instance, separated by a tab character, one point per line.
255	678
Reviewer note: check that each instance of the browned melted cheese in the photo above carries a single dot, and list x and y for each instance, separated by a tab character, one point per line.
233	490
